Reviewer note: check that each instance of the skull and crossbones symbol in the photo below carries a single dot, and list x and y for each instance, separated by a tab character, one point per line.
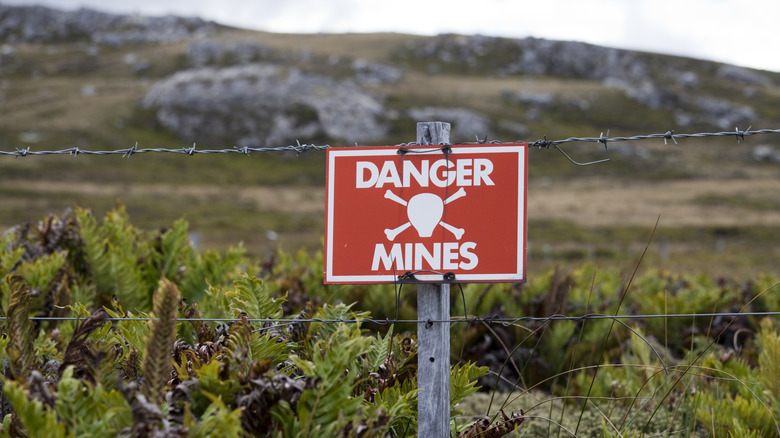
424	212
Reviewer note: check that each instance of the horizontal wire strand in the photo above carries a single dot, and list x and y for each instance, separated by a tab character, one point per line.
301	148
473	320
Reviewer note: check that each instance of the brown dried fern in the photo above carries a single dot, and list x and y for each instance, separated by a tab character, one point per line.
21	332
156	365
78	352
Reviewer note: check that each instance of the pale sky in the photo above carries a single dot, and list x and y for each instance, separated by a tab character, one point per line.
741	32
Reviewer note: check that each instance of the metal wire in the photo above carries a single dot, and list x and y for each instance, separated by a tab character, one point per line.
494	319
301	148
128	152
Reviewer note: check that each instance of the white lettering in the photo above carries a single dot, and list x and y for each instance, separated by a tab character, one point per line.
450	255
470	256
482	169
387	259
433	260
421	175
463	172
403	257
373	171
388	175
434	173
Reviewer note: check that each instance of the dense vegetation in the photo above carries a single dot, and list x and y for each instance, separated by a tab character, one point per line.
170	342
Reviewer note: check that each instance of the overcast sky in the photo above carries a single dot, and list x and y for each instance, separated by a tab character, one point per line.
741	32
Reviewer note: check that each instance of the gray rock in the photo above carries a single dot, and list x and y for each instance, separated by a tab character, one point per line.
264	105
745	76
687	79
722	113
209	52
529	56
372	73
37	24
766	153
534	99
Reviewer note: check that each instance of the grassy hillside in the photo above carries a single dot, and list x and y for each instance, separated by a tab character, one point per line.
718	207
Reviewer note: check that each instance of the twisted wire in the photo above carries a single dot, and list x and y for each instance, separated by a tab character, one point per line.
299	148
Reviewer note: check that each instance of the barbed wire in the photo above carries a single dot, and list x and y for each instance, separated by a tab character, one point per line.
128	152
299	148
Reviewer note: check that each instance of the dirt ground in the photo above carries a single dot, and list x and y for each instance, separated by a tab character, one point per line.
600	202
593	202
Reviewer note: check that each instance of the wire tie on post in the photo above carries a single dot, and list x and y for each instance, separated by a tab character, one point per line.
130	151
408	275
669	135
428	324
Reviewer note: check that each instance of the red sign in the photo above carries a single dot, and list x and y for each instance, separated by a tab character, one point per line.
426	211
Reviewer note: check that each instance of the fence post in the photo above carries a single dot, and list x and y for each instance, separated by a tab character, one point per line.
433	334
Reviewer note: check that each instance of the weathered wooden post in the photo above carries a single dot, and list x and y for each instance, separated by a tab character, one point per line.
433	331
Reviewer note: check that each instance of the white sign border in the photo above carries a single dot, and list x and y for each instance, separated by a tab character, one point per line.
521	149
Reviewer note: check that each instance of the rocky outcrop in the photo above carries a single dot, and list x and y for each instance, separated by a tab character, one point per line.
38	24
210	52
527	56
263	105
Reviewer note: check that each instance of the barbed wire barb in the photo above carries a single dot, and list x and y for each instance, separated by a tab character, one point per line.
741	134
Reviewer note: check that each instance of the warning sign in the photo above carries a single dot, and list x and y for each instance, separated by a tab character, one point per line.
426	211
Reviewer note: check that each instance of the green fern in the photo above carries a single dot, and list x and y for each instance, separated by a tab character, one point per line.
327	404
206	268
40	273
211	382
215	303
10	255
37	419
769	357
463	383
132	334
112	252
399	404
173	244
264	345
218	420
250	296
90	410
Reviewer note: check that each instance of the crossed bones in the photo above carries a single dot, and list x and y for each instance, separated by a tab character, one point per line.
392	233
